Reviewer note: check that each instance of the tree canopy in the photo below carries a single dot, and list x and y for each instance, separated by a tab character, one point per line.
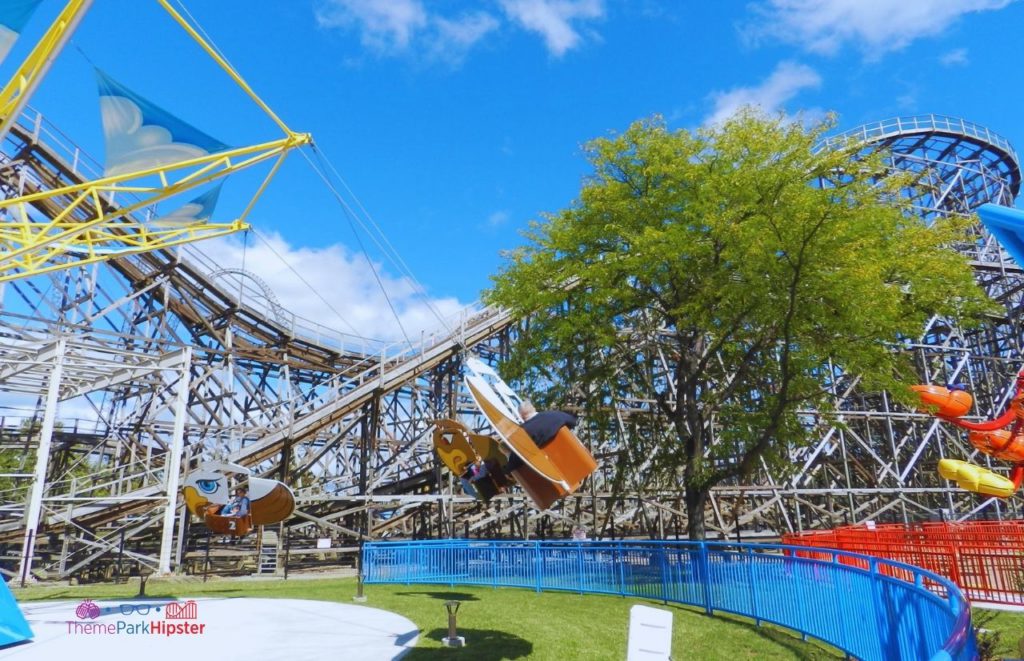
716	280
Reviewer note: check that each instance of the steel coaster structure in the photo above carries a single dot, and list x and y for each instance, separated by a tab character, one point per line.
172	360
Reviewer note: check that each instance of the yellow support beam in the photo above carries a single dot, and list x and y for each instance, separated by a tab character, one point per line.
130	238
23	83
223	64
88	225
208	163
87	229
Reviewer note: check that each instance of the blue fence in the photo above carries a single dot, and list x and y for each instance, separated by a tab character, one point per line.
867	607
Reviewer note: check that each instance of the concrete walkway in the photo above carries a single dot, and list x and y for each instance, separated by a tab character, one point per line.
222	629
1013	608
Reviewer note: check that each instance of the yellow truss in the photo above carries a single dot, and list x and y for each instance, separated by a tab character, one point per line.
82	225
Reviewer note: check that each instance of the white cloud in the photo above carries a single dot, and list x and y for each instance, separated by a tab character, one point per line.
875	26
498	218
466	30
343	278
554	19
955	57
906	102
788	80
384	24
132	145
401	26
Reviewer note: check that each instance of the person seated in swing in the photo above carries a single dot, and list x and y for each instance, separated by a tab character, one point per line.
478	470
542	427
475	472
237	507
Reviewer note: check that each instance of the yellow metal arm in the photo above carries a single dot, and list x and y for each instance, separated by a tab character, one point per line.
89	229
77	223
223	64
25	80
211	166
78	248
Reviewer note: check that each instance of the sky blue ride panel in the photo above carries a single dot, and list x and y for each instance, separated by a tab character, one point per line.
13	627
1007	225
141	135
14	14
199	210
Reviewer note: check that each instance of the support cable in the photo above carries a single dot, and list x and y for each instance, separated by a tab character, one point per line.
386	246
241	281
416	285
352	220
298	275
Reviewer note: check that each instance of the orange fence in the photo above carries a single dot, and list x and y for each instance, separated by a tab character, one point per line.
985	558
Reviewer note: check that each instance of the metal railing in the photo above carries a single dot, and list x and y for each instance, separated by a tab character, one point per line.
984	558
867	607
894	126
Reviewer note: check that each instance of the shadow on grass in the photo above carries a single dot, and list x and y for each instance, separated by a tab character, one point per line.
481	645
446	596
791	640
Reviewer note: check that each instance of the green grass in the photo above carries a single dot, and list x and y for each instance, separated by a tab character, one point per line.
1008	626
497	624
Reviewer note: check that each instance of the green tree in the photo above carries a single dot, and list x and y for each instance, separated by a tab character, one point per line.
753	265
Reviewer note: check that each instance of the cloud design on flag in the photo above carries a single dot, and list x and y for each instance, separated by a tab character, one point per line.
141	135
190	214
199	210
7	39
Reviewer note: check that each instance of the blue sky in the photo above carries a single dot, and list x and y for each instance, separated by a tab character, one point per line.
456	122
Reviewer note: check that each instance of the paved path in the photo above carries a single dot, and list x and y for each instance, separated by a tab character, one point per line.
1014	608
223	629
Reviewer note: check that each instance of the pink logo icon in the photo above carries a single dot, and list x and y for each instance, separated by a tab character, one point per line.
87	610
185	611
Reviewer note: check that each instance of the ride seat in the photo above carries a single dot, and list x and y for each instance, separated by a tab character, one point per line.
236	526
571	457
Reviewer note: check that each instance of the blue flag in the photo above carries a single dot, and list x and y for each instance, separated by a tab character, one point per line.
199	210
141	135
14	14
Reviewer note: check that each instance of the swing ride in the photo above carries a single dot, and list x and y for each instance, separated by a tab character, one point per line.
952	402
396	453
207	496
474	458
546	474
152	156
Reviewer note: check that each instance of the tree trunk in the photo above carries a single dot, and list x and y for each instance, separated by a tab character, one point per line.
695	500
